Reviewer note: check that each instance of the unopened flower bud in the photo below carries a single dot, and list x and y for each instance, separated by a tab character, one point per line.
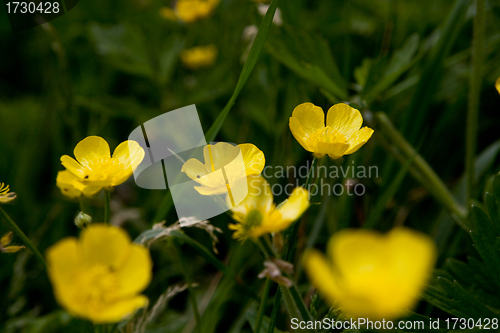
82	220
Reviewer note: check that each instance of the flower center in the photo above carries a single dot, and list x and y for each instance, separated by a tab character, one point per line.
254	219
98	286
329	135
102	168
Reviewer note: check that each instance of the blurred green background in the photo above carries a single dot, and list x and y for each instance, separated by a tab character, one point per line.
106	67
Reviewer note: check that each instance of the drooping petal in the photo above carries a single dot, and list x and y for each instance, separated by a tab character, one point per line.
129	153
104	245
344	119
116	311
303	138
206	190
295	205
321	275
135	275
310	117
69	184
253	159
91	190
90	148
358	139
259	197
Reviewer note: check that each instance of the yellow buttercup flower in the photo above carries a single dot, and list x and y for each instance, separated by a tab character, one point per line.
99	276
199	57
497	85
189	10
372	275
96	169
257	214
5	247
5	195
219	164
341	135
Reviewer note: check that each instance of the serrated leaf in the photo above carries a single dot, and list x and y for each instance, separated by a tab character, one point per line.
474	282
496	187
486	242
441	300
493	211
463	301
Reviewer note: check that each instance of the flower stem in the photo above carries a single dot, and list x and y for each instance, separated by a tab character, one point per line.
19	233
262	306
474	96
107	206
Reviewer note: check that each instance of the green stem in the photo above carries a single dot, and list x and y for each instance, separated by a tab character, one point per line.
429	178
107	206
474	96
274	313
192	296
19	233
262	307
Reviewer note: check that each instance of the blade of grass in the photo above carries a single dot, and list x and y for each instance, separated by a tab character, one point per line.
415	115
474	95
167	203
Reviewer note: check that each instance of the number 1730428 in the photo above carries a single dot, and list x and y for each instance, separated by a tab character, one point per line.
33	7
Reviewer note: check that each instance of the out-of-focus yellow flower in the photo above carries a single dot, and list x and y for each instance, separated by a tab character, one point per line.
257	214
341	135
221	157
99	276
5	195
497	85
199	57
189	10
96	169
4	244
372	275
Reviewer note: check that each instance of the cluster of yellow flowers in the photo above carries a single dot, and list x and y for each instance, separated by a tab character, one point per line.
189	11
100	275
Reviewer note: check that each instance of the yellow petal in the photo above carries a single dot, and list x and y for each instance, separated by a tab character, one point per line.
259	197
295	205
303	138
168	13
344	119
104	245
497	85
197	171
6	239
69	184
220	154
64	263
253	158
72	166
333	149
90	148
321	275
135	275
91	190
310	117
358	139
116	311
129	153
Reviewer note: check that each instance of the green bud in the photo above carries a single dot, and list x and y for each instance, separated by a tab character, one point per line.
82	220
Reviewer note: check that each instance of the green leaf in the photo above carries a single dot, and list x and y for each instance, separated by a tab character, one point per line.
472	280
496	186
123	47
493	211
486	241
167	202
457	301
